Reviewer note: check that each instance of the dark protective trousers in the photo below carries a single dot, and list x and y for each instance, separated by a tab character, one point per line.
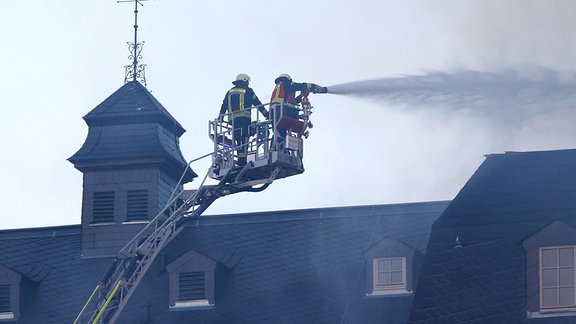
241	137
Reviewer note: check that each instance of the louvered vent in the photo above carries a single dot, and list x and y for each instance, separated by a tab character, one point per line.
103	207
192	286
5	299
137	205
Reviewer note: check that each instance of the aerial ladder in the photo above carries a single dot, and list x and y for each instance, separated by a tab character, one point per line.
268	160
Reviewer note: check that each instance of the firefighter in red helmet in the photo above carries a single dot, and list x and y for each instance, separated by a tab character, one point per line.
284	95
237	102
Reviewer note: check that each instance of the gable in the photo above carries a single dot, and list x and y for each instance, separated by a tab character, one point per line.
191	261
556	233
389	247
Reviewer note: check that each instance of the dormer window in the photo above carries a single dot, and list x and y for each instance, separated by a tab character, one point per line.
550	271
389	268
191	278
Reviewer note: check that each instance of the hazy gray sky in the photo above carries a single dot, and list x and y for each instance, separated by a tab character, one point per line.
61	58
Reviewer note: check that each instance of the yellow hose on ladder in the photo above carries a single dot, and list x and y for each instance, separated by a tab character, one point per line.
107	302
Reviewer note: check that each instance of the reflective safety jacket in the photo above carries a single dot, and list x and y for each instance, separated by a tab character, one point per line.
239	100
285	92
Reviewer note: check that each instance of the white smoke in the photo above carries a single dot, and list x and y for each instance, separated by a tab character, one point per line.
519	32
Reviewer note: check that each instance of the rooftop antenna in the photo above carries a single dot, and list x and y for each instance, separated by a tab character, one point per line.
135	71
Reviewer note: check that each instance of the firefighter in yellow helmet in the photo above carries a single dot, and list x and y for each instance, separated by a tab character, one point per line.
237	102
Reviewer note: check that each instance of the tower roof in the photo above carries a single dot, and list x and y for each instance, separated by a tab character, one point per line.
131	127
132	104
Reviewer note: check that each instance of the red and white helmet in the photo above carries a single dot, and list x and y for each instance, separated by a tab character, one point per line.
285	75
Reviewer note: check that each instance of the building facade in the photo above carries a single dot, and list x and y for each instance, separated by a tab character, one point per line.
502	251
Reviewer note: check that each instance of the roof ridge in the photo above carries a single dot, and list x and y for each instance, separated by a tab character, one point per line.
322	213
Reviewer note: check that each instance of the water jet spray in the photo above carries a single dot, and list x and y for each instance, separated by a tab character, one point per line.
471	89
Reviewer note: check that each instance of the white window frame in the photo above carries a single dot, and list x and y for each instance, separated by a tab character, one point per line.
392	288
558	285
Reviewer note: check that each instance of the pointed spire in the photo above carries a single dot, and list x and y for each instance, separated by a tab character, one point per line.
135	71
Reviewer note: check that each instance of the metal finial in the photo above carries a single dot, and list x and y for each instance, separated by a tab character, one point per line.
135	71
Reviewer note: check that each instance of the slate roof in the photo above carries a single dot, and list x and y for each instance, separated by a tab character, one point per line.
54	279
474	269
132	103
131	127
279	267
299	266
